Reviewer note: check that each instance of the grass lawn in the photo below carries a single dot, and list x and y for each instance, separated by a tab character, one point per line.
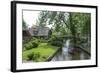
44	50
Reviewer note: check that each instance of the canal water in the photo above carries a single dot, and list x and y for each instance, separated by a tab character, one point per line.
68	53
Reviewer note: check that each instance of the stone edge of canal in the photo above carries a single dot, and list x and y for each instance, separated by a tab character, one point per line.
51	56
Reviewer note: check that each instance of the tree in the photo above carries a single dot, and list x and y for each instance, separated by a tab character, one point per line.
42	18
68	23
79	25
24	25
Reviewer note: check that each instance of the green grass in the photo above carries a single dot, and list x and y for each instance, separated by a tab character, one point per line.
44	50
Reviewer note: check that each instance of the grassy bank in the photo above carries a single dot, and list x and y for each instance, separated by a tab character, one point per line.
43	51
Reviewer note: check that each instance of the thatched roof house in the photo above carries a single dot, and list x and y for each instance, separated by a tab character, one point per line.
39	31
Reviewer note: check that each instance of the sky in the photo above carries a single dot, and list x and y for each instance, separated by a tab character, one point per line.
30	17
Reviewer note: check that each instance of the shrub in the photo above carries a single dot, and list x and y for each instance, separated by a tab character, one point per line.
36	57
28	46
35	40
42	40
34	45
56	39
33	56
44	57
59	39
56	43
30	56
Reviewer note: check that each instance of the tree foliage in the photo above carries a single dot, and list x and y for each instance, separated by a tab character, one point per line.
73	23
24	25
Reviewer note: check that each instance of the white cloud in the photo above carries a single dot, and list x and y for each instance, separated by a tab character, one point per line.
30	17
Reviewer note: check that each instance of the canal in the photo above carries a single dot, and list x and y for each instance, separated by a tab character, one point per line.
68	52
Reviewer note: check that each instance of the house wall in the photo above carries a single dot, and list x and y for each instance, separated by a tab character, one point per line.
39	31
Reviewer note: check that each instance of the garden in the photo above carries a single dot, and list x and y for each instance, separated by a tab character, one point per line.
39	50
54	31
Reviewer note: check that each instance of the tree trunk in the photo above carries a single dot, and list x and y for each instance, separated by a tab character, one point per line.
72	29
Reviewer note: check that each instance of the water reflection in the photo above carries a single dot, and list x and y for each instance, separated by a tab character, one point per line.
70	53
